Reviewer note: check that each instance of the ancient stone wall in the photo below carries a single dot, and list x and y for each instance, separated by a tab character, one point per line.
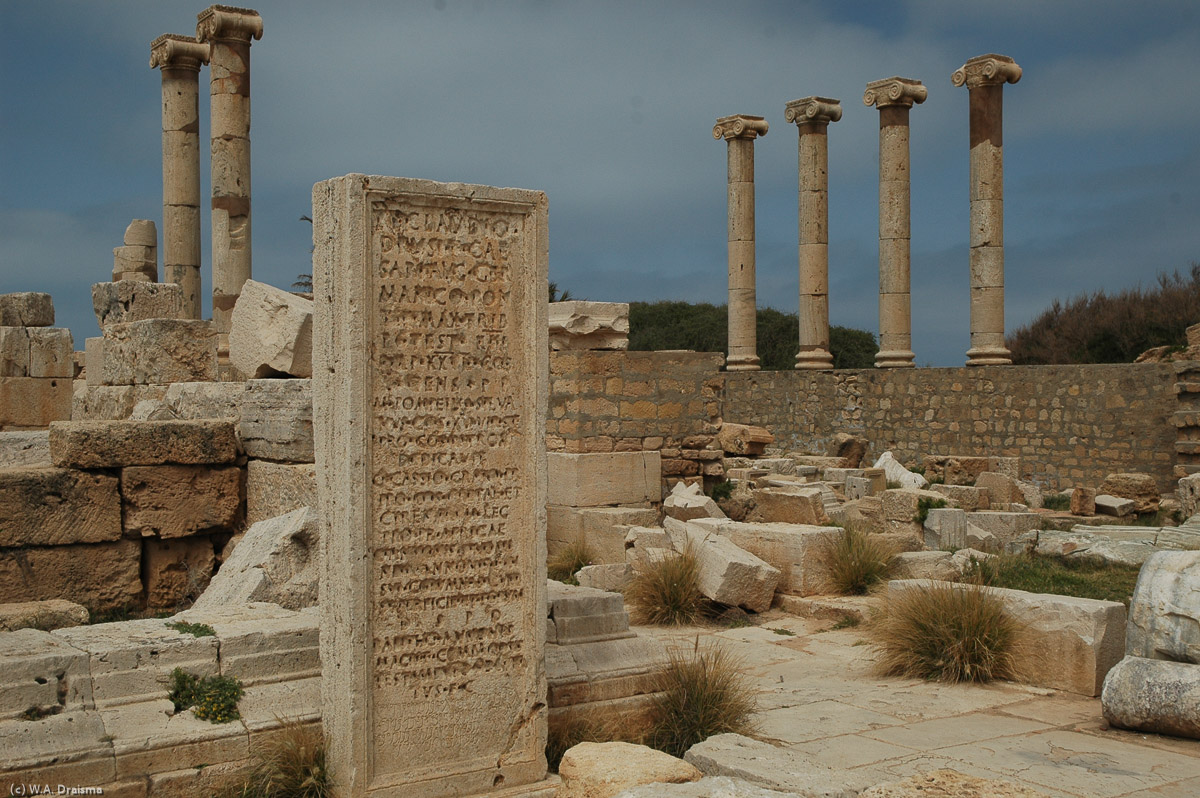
1068	424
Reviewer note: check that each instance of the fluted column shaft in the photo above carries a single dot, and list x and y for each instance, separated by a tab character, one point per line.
180	58
229	32
894	97
739	131
812	116
985	76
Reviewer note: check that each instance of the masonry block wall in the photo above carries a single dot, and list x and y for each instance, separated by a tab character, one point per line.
1068	424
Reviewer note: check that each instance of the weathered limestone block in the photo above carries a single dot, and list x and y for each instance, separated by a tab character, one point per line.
765	765
193	400
903	504
946	528
593	480
26	309
925	565
601	770
36	352
160	351
263	643
54	506
1005	526
132	300
604	529
44	615
686	502
1141	488
772	465
28	402
965	469
589	325
275	561
271	332
274	489
585	615
116	444
40	670
175	501
851	448
796	551
276	421
1188	491
1002	490
1151	695
176	571
1083	501
789	506
112	402
1164	615
946	783
707	787
25	449
743	439
641	541
894	471
964	497
1114	505
1031	495
1088	546
607	576
1068	643
96	575
728	574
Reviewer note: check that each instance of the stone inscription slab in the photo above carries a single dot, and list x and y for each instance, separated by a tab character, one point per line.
433	296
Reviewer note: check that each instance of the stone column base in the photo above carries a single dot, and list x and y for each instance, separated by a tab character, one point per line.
989	356
814	359
894	359
742	363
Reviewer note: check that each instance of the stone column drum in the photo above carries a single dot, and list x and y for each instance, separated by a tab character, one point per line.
740	131
985	76
894	97
229	31
812	116
180	58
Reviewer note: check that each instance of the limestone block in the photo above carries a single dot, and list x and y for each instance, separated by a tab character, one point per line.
69	748
132	300
1005	526
857	487
275	561
270	332
925	565
112	402
894	471
25	449
1002	490
141	232
765	765
1189	494
116	444
276	420
93	361
604	529
608	576
965	469
1164	615
946	783
54	506
96	575
261	642
903	504
583	674
194	400
585	615
1068	643
796	551
147	736
26	309
851	448
589	325
40	670
1087	546
983	540
176	571
641	541
728	574
1152	695
46	615
36	352
174	501
596	479
686	502
1083	501
133	260
274	489
707	787
1141	488
743	439
788	505
14	352
27	402
1114	505
772	465
160	351
964	497
601	770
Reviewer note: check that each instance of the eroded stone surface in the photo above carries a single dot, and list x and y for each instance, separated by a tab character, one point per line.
114	444
274	561
96	575
276	420
1153	695
31	402
601	770
132	300
26	309
948	783
174	501
274	489
728	574
44	615
1164	614
176	571
589	325
271	332
160	351
591	480
53	506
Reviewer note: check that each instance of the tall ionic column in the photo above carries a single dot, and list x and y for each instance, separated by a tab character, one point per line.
985	76
894	97
812	116
180	58
229	31
740	131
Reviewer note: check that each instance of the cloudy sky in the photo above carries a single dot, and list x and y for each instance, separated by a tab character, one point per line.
608	107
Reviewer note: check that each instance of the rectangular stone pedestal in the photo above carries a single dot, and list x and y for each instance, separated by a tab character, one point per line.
430	382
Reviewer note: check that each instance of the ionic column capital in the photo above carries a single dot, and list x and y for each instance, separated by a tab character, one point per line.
172	51
895	91
986	70
228	22
740	126
813	110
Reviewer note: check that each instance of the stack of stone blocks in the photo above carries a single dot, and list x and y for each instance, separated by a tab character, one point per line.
37	363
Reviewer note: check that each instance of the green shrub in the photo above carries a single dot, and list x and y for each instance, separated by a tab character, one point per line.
194	629
290	764
211	698
722	491
856	561
667	591
699	695
924	505
566	563
951	633
1056	501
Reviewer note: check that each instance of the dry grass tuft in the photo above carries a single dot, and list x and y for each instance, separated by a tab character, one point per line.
566	563
666	592
948	633
857	561
700	695
290	765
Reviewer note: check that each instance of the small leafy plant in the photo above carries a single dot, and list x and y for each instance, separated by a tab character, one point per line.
194	629
722	491
924	505
211	698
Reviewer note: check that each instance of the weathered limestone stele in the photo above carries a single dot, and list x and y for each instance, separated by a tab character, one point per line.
180	58
228	31
894	97
812	116
430	395
740	131
985	76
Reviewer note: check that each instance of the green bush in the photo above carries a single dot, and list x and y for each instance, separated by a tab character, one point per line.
856	561
722	491
211	698
1056	501
924	505
698	696
193	629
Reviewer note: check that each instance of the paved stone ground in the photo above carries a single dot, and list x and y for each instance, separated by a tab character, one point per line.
818	695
